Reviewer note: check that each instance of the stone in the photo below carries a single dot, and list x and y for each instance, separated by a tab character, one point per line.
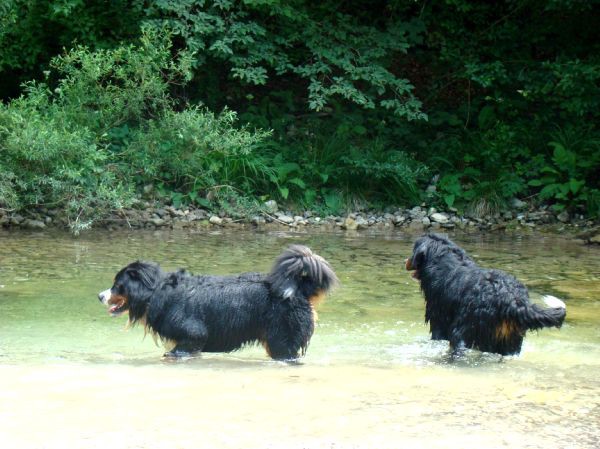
417	212
398	219
158	222
271	206
33	224
285	218
439	218
16	219
215	220
426	222
415	226
518	204
362	223
563	217
350	224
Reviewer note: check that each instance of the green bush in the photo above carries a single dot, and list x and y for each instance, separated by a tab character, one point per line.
110	125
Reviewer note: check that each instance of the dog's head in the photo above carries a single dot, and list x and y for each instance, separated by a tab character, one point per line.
431	249
132	289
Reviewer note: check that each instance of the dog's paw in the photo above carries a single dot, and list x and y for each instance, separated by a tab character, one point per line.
554	302
177	354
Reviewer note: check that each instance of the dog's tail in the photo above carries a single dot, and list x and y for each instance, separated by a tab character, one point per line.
299	271
536	317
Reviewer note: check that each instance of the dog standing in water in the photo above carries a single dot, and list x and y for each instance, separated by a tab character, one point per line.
223	313
475	307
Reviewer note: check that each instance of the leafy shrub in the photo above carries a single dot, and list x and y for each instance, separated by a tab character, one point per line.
197	151
45	161
322	53
570	178
110	120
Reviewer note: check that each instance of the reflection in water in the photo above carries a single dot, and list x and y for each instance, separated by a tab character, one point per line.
74	377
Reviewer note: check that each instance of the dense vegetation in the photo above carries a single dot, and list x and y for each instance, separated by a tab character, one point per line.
325	105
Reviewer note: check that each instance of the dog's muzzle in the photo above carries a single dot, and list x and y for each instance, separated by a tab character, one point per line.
104	296
409	266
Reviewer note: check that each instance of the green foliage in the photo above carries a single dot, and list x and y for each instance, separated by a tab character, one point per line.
109	120
197	151
332	53
490	164
32	32
570	177
46	161
365	101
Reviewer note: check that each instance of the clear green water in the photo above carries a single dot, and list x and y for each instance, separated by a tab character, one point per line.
71	376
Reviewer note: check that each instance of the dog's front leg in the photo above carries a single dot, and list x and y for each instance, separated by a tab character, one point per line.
458	346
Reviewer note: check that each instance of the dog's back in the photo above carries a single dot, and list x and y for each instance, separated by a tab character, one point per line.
224	310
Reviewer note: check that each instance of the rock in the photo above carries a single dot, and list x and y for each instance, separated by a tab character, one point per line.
16	219
215	220
398	219
563	217
285	218
590	236
362	223
516	203
271	206
417	213
439	218
415	226
158	222
350	224
33	224
426	222
258	220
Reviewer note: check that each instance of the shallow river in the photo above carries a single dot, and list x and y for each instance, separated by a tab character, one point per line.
73	377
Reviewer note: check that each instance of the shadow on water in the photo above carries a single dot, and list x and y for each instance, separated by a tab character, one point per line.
72	375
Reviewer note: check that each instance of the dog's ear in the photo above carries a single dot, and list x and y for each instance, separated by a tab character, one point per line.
146	273
419	254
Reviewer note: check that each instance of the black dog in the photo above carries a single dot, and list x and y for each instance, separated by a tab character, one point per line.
224	313
474	307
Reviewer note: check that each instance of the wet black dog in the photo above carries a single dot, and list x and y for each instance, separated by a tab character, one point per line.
224	313
474	307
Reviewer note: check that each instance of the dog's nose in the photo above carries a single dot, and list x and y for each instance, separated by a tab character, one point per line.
104	296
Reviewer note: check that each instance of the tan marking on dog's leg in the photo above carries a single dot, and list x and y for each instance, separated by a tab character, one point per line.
266	346
505	330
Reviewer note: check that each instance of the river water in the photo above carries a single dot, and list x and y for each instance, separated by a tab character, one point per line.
73	377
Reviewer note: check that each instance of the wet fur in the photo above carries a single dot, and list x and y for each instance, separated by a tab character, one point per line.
223	313
474	307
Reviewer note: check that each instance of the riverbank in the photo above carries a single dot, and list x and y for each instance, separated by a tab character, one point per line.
520	217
